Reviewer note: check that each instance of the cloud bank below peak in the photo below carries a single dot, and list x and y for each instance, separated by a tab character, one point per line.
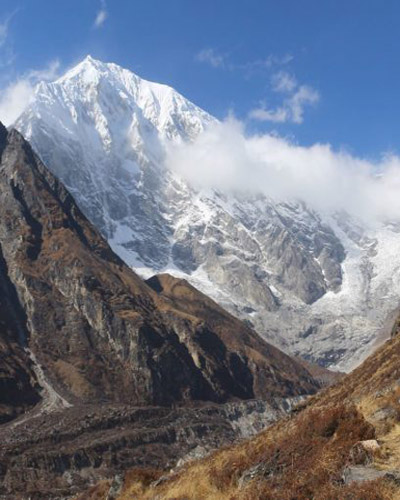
223	157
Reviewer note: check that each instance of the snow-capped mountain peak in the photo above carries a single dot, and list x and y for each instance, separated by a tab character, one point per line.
288	270
118	91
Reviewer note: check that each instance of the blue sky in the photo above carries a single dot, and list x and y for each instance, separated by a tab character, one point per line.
316	71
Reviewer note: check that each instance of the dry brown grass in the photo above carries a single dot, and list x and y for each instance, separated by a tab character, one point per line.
98	492
73	379
302	457
137	481
297	459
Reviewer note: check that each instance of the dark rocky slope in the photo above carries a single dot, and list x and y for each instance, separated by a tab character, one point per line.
82	333
18	386
19	389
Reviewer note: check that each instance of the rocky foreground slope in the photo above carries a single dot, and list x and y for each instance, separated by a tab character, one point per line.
105	370
343	443
318	285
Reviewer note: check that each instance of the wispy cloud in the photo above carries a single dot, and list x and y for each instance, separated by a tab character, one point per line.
17	95
262	114
48	73
7	55
304	96
101	15
297	99
279	60
211	57
4	26
216	59
283	82
268	63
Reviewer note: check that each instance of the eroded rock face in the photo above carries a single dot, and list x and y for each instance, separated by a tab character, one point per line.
94	325
19	389
57	455
92	347
119	372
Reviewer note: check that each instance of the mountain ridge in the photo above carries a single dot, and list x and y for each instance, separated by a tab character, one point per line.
308	282
93	359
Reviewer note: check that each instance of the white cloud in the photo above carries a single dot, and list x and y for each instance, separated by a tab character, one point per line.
17	95
101	15
304	96
298	97
283	82
262	114
212	57
13	101
224	158
217	60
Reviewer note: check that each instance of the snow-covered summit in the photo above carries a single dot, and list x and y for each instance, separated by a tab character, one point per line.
170	112
107	102
317	286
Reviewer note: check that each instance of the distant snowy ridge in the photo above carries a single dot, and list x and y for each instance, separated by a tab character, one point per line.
317	285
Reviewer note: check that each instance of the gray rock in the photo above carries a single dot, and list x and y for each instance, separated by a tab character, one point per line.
359	474
115	487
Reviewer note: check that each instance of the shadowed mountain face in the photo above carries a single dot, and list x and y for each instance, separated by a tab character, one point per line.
94	325
114	372
18	386
226	339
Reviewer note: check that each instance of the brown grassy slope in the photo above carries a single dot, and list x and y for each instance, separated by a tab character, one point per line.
275	369
182	296
303	457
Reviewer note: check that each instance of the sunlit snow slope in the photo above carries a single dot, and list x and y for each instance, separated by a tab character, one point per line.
322	286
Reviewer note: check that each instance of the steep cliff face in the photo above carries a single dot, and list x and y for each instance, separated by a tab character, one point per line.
225	342
93	325
18	385
19	389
